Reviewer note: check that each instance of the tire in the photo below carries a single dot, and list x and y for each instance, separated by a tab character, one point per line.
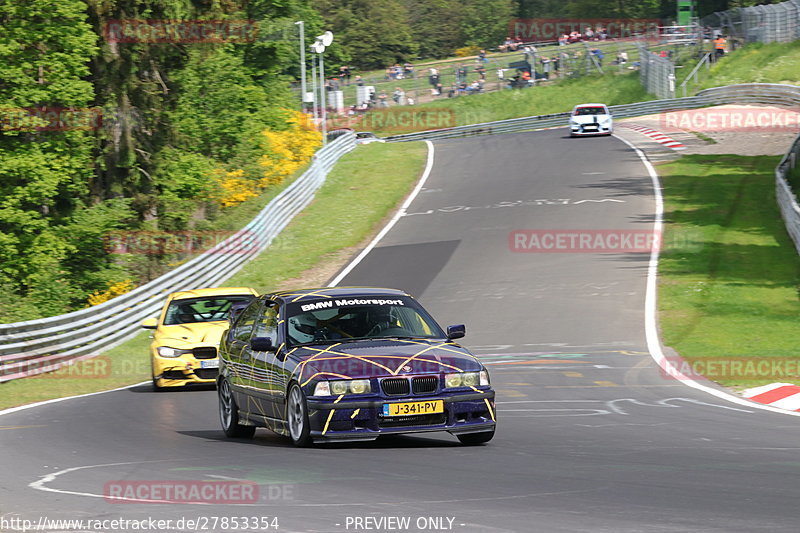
156	386
229	414
297	417
471	439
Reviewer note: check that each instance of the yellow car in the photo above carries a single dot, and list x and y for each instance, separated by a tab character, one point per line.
187	334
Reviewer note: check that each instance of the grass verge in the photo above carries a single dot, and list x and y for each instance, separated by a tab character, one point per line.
733	295
359	193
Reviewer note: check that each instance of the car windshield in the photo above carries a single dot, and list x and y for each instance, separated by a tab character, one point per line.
365	135
348	319
590	111
205	309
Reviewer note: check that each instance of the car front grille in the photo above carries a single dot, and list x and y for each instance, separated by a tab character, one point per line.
204	352
404	386
413	420
395	386
206	373
425	385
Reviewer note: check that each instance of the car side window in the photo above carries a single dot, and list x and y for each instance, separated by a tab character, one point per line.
267	323
244	326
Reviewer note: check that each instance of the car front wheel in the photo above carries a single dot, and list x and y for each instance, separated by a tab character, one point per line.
229	414
297	417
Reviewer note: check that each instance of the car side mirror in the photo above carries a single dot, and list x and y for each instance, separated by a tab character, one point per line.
150	323
456	332
262	344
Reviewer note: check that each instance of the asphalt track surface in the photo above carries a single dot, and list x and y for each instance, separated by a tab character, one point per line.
591	435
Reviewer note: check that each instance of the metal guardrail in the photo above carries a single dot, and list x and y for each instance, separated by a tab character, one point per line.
787	199
746	93
36	346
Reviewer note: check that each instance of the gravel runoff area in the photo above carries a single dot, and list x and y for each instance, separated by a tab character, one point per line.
763	141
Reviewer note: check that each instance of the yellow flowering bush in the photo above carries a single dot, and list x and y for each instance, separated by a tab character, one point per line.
288	150
234	188
285	151
114	289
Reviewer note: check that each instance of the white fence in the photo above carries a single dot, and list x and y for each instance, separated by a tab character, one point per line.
36	346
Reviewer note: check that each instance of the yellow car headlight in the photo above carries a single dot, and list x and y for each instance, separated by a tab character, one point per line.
340	387
466	379
359	386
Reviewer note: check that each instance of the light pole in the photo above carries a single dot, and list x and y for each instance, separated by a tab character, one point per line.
314	88
303	87
322	42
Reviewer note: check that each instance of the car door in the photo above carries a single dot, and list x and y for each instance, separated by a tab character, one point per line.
241	375
265	380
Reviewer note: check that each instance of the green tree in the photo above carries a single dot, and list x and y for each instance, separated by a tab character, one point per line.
484	23
374	34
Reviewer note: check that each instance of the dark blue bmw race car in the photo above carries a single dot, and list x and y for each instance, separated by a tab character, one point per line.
346	364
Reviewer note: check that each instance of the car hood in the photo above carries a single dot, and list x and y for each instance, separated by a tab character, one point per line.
588	119
382	357
198	333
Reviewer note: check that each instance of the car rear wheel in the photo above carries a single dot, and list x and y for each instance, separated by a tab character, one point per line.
471	439
229	414
297	417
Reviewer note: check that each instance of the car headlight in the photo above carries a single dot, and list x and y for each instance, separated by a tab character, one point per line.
340	387
466	379
166	351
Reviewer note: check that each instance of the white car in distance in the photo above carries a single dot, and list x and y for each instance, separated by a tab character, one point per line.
590	119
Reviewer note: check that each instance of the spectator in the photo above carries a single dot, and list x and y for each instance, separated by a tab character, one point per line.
399	96
461	73
408	70
589	34
554	61
622	58
719	46
344	73
410	101
482	56
433	77
481	70
599	55
546	67
383	99
359	80
563	40
335	86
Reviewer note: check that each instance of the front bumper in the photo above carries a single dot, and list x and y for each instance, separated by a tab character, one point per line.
591	129
179	371
349	420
